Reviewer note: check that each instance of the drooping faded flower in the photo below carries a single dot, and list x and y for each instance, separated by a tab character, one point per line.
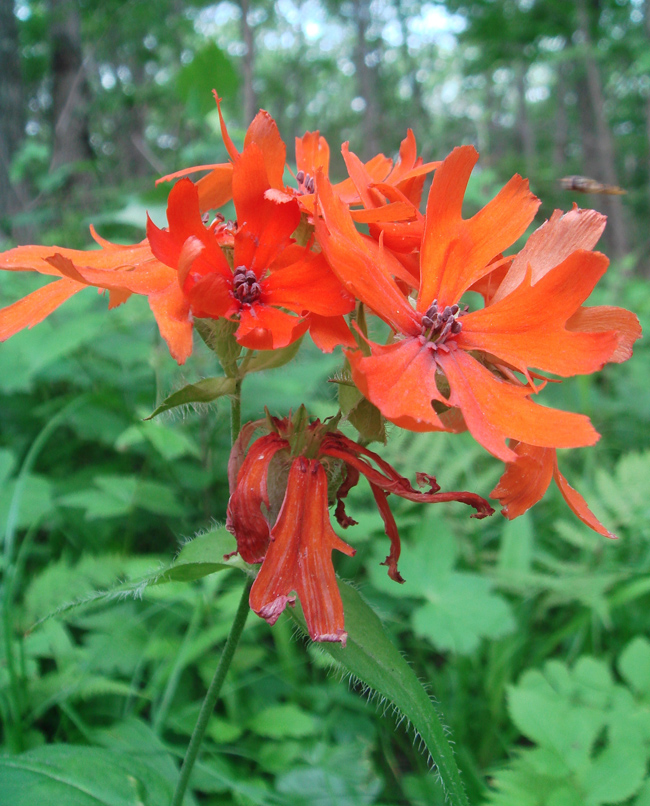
281	491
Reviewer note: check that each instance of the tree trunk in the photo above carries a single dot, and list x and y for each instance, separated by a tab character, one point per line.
524	129
605	169
12	106
367	80
248	64
70	92
561	132
646	15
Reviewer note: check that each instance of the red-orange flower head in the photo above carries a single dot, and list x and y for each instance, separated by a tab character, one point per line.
447	368
281	490
273	282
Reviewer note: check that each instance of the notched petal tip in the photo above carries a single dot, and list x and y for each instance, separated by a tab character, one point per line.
272	611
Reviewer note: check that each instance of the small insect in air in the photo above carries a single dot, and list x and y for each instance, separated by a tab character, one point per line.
583	184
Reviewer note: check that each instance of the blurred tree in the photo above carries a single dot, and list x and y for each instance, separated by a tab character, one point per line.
70	92
12	109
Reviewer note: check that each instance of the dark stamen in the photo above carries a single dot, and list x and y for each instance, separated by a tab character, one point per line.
437	325
245	286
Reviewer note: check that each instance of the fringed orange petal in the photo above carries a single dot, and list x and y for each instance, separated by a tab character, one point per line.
312	154
264	226
263	131
36	306
525	480
527	328
400	380
457	252
264	328
607	317
365	271
552	243
230	146
578	505
172	313
298	559
495	410
215	189
329	332
308	285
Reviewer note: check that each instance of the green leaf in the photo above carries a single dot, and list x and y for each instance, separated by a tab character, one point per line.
634	665
370	657
204	391
272	359
202	556
195	81
81	776
282	722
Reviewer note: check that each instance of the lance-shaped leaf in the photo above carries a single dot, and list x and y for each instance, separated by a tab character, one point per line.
370	656
204	391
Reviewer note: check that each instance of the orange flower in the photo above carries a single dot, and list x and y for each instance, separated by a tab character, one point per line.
447	368
278	511
526	480
122	270
271	274
375	181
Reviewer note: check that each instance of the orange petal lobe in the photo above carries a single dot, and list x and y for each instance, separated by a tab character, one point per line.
607	317
312	153
527	328
456	252
328	332
36	306
264	328
308	285
298	560
495	409
264	132
215	189
578	505
400	380
525	480
552	243
171	311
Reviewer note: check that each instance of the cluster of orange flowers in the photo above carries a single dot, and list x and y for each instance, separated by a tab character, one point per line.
294	260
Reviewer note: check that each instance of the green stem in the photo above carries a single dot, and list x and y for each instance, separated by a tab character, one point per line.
235	412
212	695
228	653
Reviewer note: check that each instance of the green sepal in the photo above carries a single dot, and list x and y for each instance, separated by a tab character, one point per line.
363	414
204	391
219	336
271	359
372	658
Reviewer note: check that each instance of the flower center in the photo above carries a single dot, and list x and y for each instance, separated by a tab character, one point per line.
437	325
305	183
245	286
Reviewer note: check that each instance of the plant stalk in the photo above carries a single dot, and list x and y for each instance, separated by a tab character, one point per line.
228	653
212	695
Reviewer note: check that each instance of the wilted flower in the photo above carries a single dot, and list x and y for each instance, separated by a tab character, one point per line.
279	513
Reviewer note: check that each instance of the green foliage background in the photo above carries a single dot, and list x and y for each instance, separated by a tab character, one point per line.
531	635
